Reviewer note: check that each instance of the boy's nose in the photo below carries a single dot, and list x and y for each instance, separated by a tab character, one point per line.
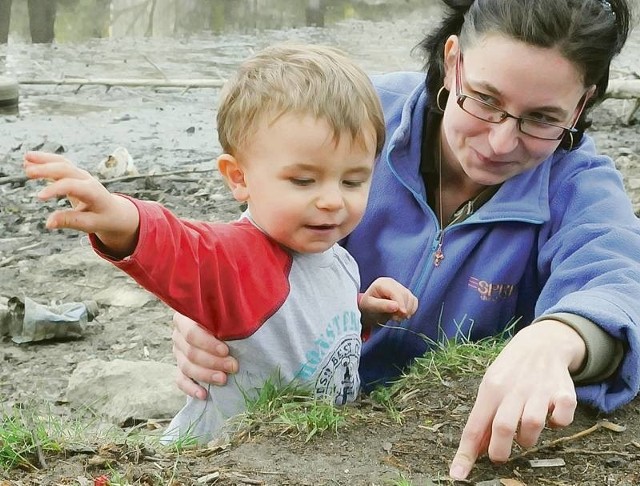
330	199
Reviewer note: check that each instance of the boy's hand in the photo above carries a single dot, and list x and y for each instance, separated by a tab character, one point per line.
386	299
113	219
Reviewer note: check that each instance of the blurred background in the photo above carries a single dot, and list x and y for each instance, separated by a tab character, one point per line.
45	44
74	20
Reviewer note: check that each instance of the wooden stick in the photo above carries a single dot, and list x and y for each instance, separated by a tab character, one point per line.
602	424
570	450
22	179
618	88
13	179
159	174
137	82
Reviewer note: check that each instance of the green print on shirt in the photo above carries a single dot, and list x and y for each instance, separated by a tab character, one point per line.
346	323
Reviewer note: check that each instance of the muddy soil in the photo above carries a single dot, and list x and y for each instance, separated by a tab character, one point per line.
171	129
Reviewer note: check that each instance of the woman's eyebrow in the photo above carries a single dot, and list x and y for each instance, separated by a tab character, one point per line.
549	109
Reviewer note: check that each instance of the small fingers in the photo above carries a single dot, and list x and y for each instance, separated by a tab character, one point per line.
411	304
407	302
39	165
67	180
71	219
406	308
35	157
79	188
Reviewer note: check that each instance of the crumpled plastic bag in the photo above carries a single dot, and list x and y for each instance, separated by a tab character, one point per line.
27	321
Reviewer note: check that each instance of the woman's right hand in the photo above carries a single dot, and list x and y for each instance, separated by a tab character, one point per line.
199	356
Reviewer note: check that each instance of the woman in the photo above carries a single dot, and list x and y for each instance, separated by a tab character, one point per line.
496	211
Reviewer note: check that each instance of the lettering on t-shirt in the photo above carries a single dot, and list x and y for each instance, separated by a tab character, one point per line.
334	359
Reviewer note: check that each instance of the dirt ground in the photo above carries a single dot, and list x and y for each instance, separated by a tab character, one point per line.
371	449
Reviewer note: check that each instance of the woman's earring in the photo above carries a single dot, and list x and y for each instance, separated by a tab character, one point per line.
438	98
570	142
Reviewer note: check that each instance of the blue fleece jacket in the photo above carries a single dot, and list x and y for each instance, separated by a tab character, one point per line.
559	238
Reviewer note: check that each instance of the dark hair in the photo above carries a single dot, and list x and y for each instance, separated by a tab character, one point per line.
589	33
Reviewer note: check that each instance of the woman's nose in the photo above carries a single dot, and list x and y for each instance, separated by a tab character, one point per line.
503	137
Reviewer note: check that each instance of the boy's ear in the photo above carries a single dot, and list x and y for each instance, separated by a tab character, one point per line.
233	174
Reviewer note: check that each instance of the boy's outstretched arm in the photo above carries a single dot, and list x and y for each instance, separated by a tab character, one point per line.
386	299
113	219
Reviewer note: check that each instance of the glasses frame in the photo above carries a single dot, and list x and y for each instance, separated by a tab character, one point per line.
461	96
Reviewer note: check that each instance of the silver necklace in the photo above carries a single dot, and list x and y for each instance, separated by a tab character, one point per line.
439	255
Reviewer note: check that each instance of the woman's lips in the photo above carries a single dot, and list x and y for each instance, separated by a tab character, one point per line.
491	161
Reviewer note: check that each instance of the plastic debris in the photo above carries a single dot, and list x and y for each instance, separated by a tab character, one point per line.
24	320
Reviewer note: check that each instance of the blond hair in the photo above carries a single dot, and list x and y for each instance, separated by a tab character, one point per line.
301	79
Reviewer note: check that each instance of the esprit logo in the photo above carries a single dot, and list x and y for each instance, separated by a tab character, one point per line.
491	291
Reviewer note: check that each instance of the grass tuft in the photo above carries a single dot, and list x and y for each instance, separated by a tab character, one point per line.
446	359
291	408
24	437
310	418
453	359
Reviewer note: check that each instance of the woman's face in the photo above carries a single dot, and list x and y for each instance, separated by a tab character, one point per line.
521	79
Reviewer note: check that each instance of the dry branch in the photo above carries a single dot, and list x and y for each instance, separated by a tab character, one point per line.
134	82
128	178
602	424
618	88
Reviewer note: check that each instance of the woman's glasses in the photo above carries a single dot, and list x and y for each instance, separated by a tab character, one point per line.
490	113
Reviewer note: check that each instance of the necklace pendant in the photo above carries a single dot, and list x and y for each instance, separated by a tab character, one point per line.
439	256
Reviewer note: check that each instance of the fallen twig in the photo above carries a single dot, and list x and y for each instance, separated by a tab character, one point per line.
603	424
36	441
550	481
13	179
22	179
132	82
30	247
7	261
618	88
570	450
156	67
157	174
14	238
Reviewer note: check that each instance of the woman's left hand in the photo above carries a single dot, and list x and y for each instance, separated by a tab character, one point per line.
527	386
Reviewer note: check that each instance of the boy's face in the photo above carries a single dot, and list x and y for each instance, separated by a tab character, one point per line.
303	189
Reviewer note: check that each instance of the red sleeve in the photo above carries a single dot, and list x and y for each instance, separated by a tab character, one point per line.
229	277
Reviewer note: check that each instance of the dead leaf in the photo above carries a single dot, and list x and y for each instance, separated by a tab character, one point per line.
612	427
511	482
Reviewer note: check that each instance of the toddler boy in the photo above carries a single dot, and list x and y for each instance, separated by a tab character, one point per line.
300	127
